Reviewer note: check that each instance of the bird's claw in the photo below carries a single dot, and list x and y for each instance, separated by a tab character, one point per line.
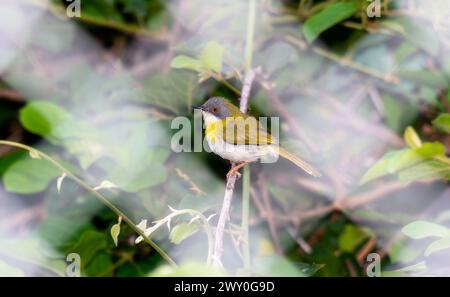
233	172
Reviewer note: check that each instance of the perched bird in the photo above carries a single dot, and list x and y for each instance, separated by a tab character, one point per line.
239	138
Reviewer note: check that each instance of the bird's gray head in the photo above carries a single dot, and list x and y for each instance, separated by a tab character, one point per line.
219	107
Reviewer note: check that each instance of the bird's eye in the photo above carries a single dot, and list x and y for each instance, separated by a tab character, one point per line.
215	110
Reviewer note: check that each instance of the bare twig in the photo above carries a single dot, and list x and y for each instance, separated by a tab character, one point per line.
365	250
224	216
11	95
265	211
94	192
60	11
231	180
348	117
24	216
258	203
193	187
375	194
300	241
262	182
347	204
279	107
313	185
344	61
247	87
351	269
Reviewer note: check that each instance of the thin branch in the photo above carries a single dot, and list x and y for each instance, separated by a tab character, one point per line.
377	193
262	182
266	215
59	11
280	108
231	180
365	250
343	61
24	216
99	196
351	269
347	204
258	203
246	88
300	241
176	213
224	216
349	118
11	95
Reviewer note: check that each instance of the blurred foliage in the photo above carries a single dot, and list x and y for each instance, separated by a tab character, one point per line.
99	97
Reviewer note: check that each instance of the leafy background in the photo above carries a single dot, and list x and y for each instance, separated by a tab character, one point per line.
366	100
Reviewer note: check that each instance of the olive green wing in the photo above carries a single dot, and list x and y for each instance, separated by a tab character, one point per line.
248	131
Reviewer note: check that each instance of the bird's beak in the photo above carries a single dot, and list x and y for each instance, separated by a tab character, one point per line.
198	107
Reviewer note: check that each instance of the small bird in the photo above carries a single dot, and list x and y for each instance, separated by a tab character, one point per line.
239	138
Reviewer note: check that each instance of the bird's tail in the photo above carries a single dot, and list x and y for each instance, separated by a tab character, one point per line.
299	162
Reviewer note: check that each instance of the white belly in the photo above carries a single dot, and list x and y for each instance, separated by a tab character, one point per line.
238	153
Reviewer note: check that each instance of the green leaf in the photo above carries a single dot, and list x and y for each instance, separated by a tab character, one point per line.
144	171
101	265
394	161
401	252
115	231
423	229
430	149
102	10
140	8
43	118
442	122
431	169
411	138
393	112
185	62
398	113
90	243
9	159
438	245
173	91
211	56
351	237
182	231
327	18
28	176
60	232
159	20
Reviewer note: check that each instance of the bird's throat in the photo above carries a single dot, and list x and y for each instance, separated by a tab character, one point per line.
212	124
211	130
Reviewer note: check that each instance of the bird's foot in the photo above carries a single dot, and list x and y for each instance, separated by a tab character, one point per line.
234	170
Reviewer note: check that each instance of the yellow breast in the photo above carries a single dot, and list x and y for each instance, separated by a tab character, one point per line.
212	131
